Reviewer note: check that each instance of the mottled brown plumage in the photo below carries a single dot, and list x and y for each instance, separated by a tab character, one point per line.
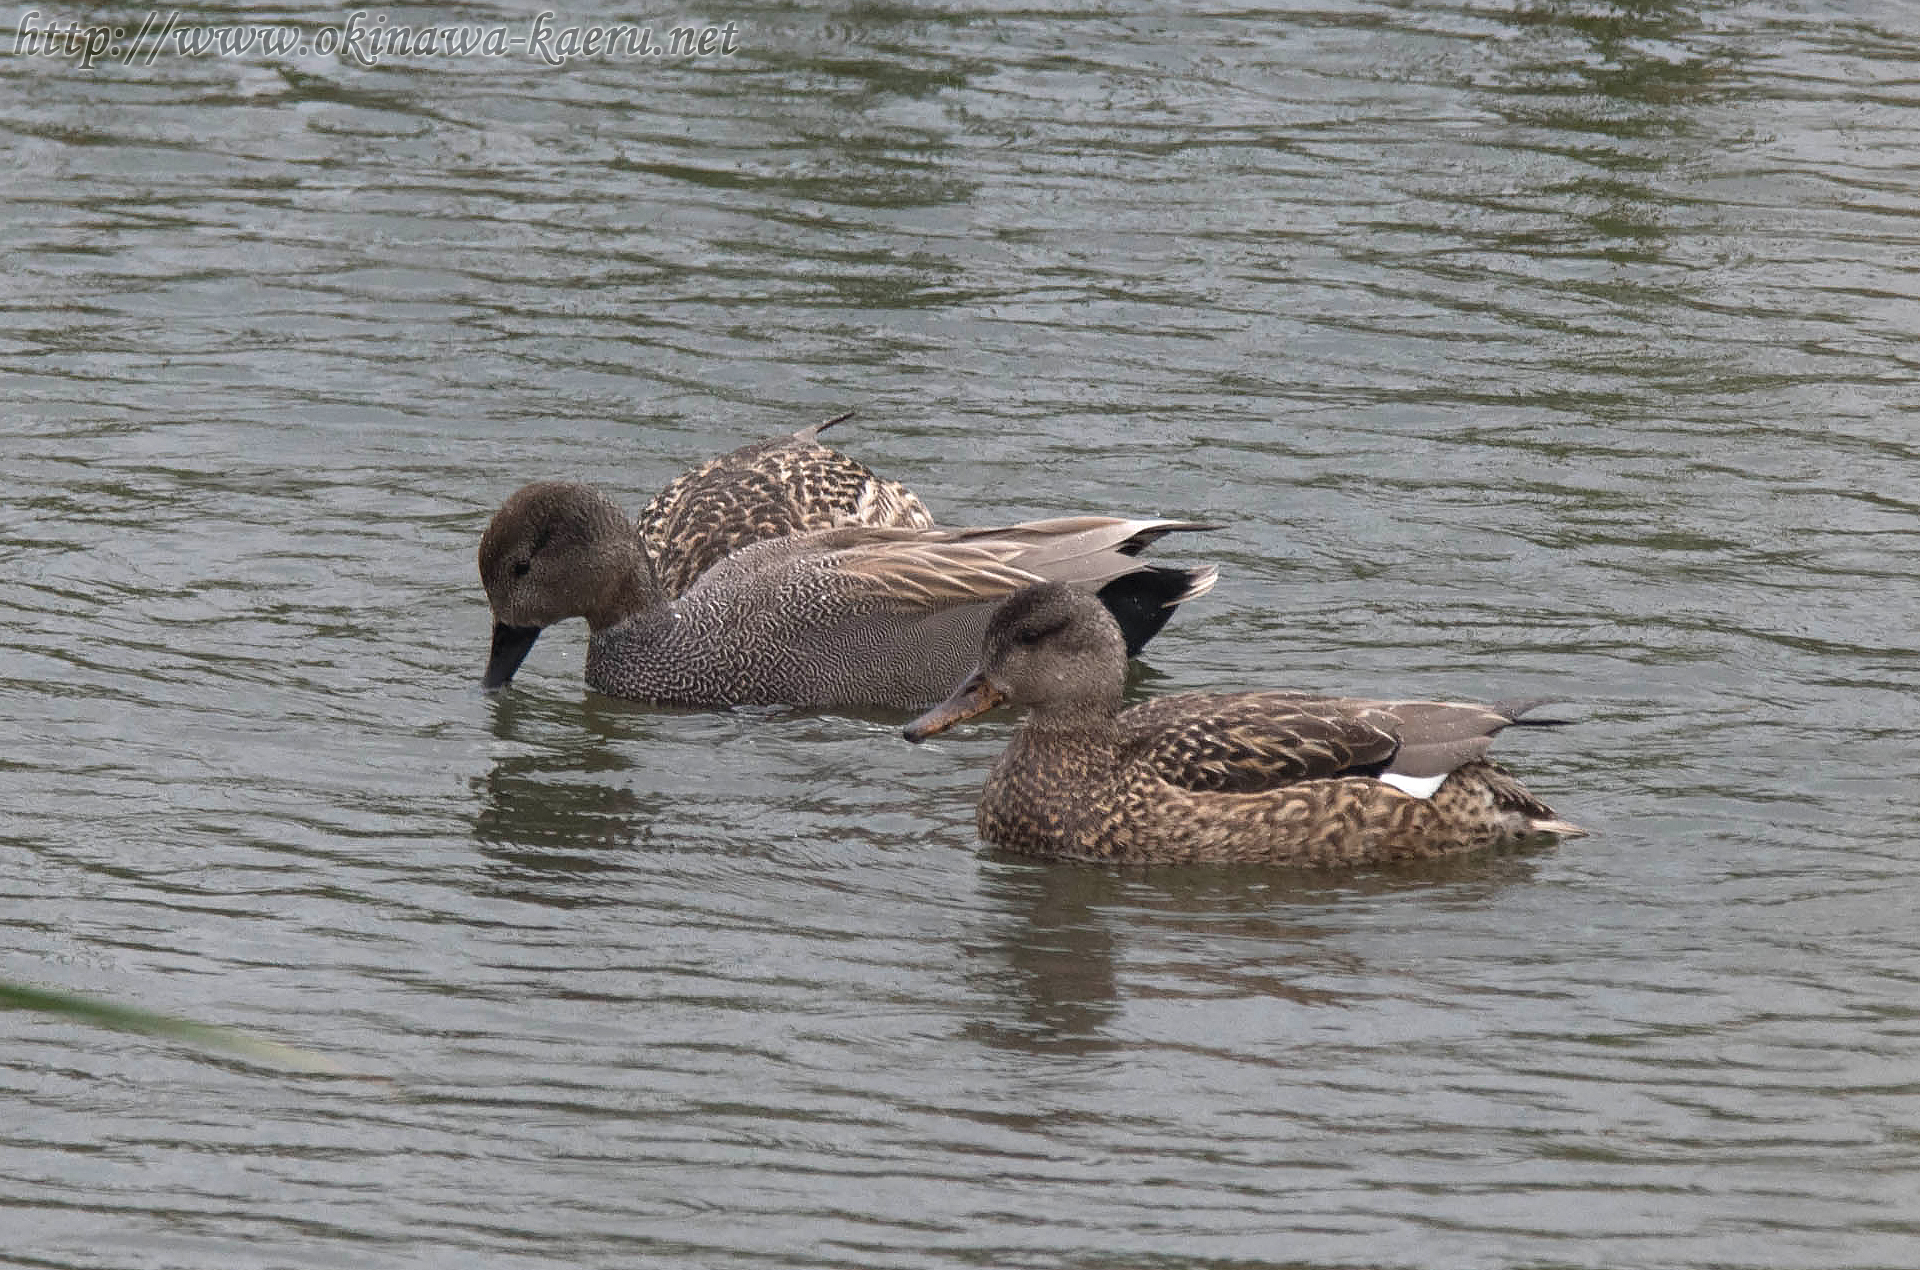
858	615
785	485
1281	777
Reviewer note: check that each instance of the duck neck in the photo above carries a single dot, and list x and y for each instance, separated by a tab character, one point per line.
632	588
1077	744
1076	723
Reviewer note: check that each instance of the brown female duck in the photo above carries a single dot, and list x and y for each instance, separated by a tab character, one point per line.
785	485
852	616
1260	776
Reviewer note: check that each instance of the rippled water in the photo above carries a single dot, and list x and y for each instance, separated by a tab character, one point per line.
1554	348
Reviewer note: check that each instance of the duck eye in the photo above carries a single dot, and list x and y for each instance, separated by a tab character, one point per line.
1034	634
521	566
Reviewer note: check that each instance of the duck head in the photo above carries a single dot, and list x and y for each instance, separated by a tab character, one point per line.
557	550
1048	647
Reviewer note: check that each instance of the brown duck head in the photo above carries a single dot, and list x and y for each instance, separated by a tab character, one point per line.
557	550
1048	647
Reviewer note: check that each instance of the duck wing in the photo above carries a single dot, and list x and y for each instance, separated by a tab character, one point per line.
786	485
921	576
912	571
1247	742
1097	553
1254	741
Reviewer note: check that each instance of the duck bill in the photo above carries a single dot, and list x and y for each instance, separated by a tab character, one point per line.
975	696
510	647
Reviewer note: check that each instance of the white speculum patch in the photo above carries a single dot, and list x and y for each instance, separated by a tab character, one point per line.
1418	786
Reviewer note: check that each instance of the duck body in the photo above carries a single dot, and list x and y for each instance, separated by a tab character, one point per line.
1277	777
792	622
854	616
1133	801
787	484
716	647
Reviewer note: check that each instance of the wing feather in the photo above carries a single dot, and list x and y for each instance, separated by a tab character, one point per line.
912	570
909	576
1246	742
1249	742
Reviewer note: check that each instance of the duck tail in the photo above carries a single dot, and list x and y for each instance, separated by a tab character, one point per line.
813	430
1515	707
1143	600
1531	816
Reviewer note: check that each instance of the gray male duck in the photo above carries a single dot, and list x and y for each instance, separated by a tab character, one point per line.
856	616
788	573
1276	777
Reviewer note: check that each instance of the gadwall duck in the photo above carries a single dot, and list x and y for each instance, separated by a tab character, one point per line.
1278	777
839	617
785	485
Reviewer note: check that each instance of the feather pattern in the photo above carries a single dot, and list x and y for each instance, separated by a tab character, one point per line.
1262	740
1253	741
941	567
786	485
931	575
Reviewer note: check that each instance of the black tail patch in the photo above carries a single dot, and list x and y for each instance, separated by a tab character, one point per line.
1142	601
1515	707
